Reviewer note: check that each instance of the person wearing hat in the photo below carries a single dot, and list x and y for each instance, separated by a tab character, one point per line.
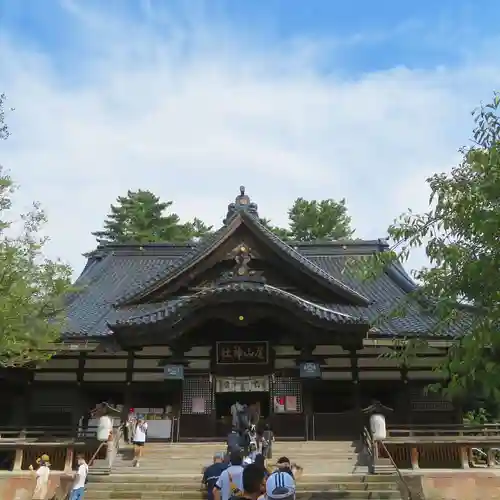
280	486
212	473
42	477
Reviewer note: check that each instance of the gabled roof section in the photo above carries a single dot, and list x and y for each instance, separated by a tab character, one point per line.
246	215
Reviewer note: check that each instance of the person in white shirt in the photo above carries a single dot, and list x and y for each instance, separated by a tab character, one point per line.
236	408
80	479
377	423
42	478
280	486
140	435
250	458
104	428
230	482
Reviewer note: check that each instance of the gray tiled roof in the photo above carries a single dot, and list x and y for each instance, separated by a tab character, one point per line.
175	309
294	257
117	271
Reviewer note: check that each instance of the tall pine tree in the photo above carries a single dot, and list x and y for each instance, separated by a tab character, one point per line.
311	220
140	217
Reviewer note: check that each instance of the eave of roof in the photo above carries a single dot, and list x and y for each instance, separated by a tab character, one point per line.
176	309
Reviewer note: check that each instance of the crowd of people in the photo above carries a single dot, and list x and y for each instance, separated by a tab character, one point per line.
241	471
42	475
233	477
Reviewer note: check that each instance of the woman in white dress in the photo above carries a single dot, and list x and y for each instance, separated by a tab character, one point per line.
42	478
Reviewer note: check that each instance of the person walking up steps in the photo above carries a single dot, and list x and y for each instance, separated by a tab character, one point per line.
140	435
212	473
267	442
253	481
230	482
280	486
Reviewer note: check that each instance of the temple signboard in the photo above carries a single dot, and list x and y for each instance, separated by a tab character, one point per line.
310	369
242	353
173	372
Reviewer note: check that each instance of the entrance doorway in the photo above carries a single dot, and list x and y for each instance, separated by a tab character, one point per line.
224	401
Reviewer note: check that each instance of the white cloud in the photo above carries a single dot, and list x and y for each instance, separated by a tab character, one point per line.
194	114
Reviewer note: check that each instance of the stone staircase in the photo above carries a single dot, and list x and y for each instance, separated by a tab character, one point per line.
330	470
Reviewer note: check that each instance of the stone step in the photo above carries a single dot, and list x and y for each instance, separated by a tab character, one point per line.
303	484
276	451
201	462
167	477
199	495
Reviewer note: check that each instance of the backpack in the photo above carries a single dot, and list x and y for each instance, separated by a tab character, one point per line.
234	491
243	420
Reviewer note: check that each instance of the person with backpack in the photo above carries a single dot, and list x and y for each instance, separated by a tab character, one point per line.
80	479
230	482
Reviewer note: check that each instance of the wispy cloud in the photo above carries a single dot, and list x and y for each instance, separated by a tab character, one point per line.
192	110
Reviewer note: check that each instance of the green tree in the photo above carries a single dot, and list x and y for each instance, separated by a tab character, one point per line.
32	287
140	217
461	236
311	220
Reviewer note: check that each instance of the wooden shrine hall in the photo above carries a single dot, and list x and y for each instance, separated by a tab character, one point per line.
180	332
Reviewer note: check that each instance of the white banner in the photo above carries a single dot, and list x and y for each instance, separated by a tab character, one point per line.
242	384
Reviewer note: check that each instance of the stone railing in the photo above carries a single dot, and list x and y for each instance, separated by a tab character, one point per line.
446	446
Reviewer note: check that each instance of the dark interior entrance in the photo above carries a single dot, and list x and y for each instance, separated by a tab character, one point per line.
224	401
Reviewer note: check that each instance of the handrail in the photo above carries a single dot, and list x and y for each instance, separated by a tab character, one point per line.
91	461
33	431
401	478
443	426
443	430
116	445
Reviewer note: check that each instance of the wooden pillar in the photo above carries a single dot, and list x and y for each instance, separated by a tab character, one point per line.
464	456
408	414
26	406
129	376
18	460
80	408
414	456
356	389
68	462
490	460
307	407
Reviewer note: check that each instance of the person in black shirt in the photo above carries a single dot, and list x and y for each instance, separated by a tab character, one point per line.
260	461
212	473
253	483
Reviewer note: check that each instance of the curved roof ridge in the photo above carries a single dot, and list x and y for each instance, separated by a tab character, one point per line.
171	307
304	260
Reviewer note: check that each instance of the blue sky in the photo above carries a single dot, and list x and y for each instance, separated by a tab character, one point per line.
318	98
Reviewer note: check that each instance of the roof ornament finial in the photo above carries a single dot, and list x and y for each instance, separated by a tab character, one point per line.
241	203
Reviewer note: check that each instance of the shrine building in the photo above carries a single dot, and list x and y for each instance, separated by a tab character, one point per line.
180	332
